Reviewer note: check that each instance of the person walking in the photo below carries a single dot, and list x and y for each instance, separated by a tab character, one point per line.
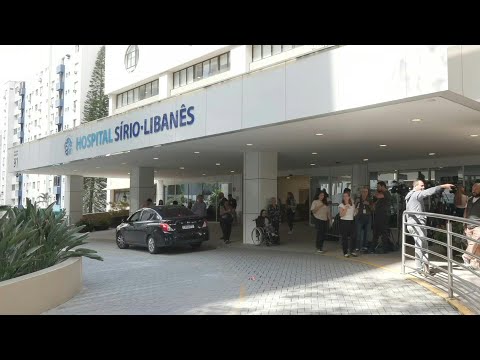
363	219
291	208
347	227
226	218
322	218
414	202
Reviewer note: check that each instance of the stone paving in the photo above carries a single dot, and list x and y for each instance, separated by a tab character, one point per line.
232	279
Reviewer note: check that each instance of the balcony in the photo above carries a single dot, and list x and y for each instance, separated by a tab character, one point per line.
59	120
57	190
60	86
59	103
20	105
20	134
21	120
60	69
21	91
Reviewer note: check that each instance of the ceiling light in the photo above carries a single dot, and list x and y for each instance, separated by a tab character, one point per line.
107	155
382	145
196	152
218	164
155	158
416	120
128	173
124	163
474	135
98	167
157	145
204	174
431	154
155	171
232	171
314	153
365	159
182	168
312	164
249	144
75	170
288	177
319	134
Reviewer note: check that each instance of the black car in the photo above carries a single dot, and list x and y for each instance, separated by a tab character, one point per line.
162	226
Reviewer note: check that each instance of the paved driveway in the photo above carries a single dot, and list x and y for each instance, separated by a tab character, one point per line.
227	279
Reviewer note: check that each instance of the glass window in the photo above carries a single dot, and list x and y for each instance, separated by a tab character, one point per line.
183	77
276	49
257	52
224	62
148	90
131	58
124	99
148	215
154	87
135	94
141	92
174	211
198	71
266	51
206	68
130	96
287	47
190	75
135	216
214	66
176	79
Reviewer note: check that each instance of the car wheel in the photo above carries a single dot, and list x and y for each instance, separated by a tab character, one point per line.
120	240
152	246
196	245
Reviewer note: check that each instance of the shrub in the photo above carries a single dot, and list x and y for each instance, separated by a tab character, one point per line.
33	239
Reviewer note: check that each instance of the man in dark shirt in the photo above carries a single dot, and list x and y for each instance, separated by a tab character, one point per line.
233	205
473	212
382	200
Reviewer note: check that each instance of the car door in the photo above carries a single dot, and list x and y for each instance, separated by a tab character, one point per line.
128	230
140	227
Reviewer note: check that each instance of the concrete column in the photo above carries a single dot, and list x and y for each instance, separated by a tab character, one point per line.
74	197
259	185
359	178
141	187
159	191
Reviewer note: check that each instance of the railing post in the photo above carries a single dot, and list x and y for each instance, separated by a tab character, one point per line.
449	255
403	243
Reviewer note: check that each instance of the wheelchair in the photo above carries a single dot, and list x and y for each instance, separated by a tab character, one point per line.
262	235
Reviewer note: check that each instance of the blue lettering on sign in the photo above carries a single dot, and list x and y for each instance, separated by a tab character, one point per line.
128	130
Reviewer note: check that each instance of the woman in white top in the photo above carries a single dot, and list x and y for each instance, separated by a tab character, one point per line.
460	201
321	217
347	227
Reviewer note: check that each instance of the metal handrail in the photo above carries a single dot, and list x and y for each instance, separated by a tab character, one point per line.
466	288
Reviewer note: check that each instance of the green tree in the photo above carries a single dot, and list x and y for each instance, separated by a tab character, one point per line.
96	107
44	198
94	195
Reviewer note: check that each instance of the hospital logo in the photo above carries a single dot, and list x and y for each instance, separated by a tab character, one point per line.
68	146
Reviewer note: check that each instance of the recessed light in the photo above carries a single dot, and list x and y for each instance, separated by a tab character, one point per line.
416	120
128	173
474	135
288	177
75	170
314	153
218	164
365	159
124	163
431	154
249	144
232	171
319	134
107	154
382	145
312	164
155	158
196	152
97	167
154	170
182	168
204	174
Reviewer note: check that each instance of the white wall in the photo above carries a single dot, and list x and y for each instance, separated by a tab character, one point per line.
152	61
273	95
463	70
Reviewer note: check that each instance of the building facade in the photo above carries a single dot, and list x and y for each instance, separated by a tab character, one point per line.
185	119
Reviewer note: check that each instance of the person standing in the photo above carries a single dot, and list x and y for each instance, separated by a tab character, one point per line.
381	218
321	217
291	208
274	214
226	218
414	202
200	208
473	212
233	205
347	227
460	201
363	218
220	202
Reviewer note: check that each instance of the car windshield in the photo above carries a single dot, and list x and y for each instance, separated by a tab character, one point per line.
173	211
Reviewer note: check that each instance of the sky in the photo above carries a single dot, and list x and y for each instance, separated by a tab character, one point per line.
18	62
